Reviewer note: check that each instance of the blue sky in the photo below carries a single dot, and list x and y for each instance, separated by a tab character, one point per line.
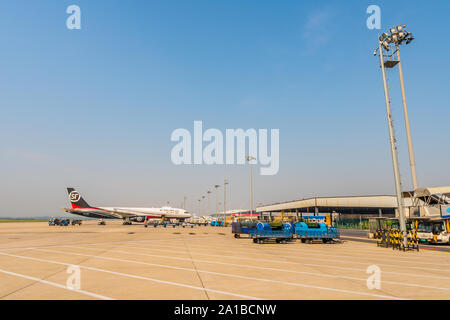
94	108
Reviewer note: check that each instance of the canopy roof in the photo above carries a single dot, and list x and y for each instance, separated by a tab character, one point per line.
426	192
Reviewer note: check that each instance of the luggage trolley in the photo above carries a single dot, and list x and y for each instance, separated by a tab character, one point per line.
315	231
265	232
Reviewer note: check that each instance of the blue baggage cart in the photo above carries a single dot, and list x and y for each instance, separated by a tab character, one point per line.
264	233
317	231
239	228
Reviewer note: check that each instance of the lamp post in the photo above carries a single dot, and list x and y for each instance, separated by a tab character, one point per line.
407	126
225	182
249	159
203	203
217	199
208	193
397	36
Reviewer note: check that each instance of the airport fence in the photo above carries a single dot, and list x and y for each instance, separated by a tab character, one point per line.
353	224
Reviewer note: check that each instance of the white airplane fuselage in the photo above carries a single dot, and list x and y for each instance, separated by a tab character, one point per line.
80	207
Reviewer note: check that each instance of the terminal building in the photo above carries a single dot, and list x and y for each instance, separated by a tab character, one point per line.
424	202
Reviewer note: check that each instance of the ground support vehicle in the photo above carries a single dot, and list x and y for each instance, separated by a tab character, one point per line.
74	222
240	228
308	232
266	232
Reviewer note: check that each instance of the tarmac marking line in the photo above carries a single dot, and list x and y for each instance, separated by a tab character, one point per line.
54	284
344	255
228	275
265	260
132	276
307	264
331	255
268	268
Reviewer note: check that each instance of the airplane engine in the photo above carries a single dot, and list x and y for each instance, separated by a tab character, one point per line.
138	219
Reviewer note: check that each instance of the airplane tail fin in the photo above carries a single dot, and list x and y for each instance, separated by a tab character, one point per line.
76	199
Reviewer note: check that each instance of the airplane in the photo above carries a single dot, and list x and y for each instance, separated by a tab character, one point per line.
129	215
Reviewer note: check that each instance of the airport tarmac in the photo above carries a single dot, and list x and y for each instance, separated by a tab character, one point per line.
133	262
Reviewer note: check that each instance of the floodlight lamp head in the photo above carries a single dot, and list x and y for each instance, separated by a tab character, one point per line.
375	52
395	38
383	37
400	27
408	41
392	30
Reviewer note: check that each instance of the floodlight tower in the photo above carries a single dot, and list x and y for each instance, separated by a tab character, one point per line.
225	182
217	199
249	159
398	35
209	211
203	203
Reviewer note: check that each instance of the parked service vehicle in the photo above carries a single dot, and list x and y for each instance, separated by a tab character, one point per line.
315	231
101	222
78	222
243	227
187	224
62	222
278	232
169	224
433	230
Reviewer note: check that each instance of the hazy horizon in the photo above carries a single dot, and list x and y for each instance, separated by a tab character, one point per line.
94	108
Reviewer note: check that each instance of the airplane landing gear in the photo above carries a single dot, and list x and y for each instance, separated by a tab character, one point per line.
126	222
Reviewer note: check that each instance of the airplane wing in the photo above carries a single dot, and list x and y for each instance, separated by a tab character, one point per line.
123	213
87	211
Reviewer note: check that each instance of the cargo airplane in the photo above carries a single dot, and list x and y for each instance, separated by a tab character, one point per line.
129	215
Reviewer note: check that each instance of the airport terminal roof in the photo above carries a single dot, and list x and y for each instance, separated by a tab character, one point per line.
349	202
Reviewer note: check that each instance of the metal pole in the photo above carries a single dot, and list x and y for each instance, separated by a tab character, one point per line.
225	182
398	184
184	203
209	207
408	129
251	190
217	199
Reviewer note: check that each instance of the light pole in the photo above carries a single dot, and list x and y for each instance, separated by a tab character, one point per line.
384	42
199	207
217	199
203	203
249	159
408	128
398	35
225	182
209	211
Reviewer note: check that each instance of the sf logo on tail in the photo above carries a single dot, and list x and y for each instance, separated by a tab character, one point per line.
74	196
